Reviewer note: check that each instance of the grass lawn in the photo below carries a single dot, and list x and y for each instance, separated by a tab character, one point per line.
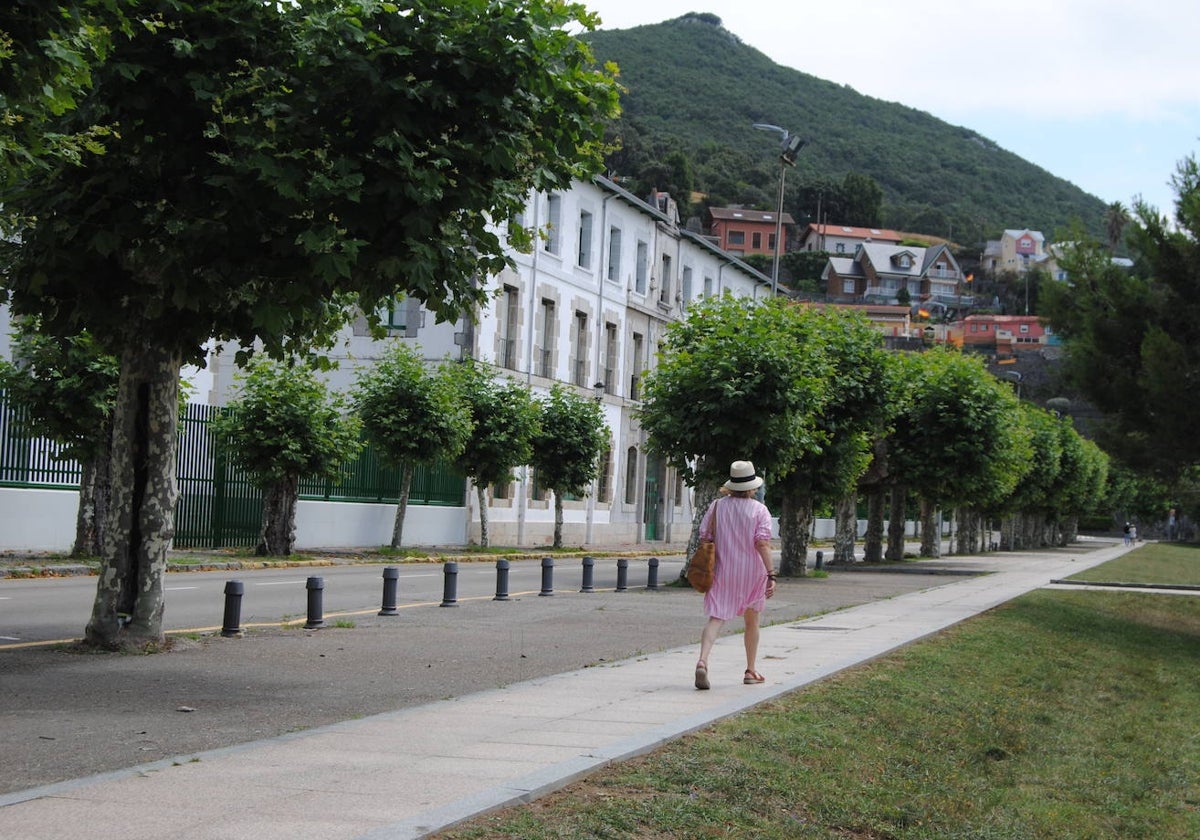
1150	563
1060	715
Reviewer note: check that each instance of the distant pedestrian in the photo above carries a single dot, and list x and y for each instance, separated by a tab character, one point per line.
1128	529
1133	533
744	577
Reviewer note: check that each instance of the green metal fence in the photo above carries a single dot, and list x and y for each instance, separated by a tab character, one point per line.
27	461
218	505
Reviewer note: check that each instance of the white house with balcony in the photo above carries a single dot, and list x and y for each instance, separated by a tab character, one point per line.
878	273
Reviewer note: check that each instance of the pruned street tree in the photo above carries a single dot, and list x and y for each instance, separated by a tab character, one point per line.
862	398
269	163
504	419
69	388
285	425
739	379
411	415
958	440
570	436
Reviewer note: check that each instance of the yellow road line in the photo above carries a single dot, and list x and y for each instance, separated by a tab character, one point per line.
295	621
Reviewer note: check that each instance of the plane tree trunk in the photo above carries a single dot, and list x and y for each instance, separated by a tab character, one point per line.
128	610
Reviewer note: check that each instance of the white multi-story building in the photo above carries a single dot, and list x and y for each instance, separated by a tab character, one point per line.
587	307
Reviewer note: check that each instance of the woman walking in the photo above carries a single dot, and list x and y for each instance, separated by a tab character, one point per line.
744	577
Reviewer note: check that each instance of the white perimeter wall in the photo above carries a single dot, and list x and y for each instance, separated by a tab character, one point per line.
44	520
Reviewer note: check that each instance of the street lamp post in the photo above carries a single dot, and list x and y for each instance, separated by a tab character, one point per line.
790	146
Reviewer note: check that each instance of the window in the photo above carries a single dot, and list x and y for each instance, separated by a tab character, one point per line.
585	239
603	483
392	314
610	357
614	254
507	351
537	492
581	336
686	285
841	248
631	476
771	242
643	268
635	376
756	240
664	292
737	237
708	286
847	285
1024	328
553	240
546	357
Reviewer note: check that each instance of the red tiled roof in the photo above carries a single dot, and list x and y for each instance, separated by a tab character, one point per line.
877	234
738	214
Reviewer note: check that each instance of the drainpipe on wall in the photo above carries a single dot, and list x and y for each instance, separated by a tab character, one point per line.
523	495
601	272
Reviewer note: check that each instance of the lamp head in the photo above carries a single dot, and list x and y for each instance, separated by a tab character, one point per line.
792	144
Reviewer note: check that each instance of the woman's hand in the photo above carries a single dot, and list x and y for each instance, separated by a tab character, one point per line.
770	587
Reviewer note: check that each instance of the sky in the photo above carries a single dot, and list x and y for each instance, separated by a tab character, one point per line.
1103	93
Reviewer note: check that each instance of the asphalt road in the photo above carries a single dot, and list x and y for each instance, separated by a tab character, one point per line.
56	609
69	714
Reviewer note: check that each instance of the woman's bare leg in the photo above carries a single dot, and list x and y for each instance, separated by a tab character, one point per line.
709	637
751	618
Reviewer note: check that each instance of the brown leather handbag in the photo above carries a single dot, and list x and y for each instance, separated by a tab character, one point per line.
703	561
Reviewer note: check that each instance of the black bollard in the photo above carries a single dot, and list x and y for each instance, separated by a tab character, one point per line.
449	584
820	560
547	577
232	625
589	571
316	606
391	584
622	574
501	580
652	573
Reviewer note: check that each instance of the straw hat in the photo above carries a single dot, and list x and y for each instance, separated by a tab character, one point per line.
742	477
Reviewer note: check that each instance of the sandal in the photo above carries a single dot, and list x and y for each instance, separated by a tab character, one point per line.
701	675
753	678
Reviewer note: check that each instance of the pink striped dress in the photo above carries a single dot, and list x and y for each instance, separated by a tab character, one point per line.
740	579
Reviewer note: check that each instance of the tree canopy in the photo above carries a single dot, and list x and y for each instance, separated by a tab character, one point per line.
284	425
411	415
504	419
1133	335
571	435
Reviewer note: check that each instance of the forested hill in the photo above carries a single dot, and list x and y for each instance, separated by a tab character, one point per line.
693	90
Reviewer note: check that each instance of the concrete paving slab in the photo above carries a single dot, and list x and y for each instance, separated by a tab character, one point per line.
403	774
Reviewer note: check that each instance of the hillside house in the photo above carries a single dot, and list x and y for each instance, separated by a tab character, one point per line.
844	239
877	273
742	232
1015	250
1004	336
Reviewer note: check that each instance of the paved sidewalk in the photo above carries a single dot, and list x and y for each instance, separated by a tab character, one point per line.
407	773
